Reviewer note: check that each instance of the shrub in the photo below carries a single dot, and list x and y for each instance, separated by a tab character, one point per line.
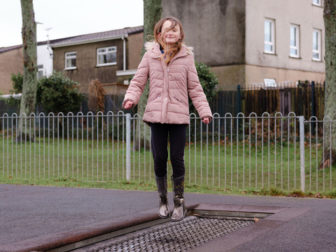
208	81
55	93
209	84
17	80
58	93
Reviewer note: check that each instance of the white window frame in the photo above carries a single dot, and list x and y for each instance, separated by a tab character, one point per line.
40	71
317	2
296	40
69	56
272	41
113	50
317	51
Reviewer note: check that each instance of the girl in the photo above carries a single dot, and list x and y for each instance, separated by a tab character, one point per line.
170	66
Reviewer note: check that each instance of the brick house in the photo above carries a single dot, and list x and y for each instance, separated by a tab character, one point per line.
11	62
111	57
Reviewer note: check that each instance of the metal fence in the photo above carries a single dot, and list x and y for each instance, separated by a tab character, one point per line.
232	152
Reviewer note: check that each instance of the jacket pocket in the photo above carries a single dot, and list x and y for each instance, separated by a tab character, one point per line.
180	100
154	98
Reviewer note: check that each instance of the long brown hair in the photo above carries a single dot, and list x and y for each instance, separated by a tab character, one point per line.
172	50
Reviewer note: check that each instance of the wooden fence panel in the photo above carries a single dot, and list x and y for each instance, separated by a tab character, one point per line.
285	100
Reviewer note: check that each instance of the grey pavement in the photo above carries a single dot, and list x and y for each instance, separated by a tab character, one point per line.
30	212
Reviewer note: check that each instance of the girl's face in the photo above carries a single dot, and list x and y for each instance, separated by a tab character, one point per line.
170	35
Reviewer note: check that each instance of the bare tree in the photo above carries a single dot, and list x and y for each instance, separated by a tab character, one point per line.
29	88
329	134
96	101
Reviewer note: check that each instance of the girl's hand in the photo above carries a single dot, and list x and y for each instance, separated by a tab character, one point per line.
206	120
128	105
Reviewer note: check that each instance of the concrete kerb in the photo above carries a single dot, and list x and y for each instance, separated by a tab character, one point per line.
53	241
277	217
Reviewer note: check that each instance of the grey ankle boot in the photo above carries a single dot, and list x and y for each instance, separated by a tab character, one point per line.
179	207
161	183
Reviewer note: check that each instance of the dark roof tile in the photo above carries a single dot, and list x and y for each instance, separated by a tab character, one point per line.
9	48
85	38
98	36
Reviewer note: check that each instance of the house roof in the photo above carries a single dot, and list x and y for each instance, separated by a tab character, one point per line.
98	36
9	48
85	38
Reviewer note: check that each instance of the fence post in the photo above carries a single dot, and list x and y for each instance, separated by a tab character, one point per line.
302	154
128	146
238	102
313	105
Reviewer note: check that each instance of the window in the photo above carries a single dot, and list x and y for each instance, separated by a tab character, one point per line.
40	71
317	2
294	50
269	38
107	56
70	60
317	45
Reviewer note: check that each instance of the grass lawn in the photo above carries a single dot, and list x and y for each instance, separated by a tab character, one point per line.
219	167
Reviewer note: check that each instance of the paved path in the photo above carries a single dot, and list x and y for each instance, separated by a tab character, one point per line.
30	212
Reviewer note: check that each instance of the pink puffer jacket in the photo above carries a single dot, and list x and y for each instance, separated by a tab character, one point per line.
169	87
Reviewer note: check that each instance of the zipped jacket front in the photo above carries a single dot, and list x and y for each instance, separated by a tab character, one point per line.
169	87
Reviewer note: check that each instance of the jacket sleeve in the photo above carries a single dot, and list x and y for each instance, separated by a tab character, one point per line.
138	82
196	93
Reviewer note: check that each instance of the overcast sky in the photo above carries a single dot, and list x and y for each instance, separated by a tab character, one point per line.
64	18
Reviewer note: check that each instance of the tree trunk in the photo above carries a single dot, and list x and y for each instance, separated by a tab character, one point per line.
329	130
152	14
28	99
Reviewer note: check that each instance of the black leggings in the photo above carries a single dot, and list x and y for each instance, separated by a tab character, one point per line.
177	139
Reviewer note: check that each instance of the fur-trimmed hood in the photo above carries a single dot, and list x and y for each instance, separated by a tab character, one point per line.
154	48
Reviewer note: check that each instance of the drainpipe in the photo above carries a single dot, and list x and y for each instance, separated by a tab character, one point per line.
124	52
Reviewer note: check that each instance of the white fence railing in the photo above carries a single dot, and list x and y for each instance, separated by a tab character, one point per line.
232	152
